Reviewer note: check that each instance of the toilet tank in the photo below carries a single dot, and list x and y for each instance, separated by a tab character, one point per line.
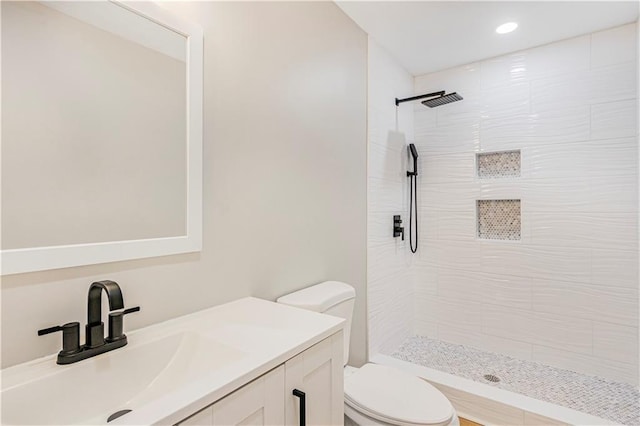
330	297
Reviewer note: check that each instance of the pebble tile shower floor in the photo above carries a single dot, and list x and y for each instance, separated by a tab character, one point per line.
619	402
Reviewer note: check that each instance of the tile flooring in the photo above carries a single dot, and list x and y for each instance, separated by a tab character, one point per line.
619	402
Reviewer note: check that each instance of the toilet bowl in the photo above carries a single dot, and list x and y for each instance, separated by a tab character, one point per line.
375	394
381	395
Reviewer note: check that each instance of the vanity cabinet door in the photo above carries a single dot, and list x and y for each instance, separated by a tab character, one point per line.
269	399
260	402
318	372
201	418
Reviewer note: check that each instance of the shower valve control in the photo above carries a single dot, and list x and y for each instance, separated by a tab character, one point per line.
398	230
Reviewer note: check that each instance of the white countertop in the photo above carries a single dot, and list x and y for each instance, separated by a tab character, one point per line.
265	333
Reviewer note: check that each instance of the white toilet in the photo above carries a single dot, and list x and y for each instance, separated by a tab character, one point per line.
375	394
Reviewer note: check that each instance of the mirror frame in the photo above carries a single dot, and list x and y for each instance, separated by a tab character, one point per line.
54	257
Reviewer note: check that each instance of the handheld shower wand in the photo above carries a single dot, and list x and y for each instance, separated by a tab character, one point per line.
414	153
413	197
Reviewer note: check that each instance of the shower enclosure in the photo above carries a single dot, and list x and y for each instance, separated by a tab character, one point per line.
521	303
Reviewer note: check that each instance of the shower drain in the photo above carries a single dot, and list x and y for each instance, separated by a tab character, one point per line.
491	378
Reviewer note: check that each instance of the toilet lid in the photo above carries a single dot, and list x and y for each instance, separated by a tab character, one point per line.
396	397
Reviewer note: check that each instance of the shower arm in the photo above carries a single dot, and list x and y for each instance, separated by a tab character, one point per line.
415	98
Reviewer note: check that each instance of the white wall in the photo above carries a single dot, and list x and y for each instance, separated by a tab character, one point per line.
567	293
389	286
284	179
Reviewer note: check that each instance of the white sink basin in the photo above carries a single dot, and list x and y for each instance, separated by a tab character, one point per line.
91	390
168	371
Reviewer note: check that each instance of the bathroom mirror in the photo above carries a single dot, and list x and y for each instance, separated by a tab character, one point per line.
101	134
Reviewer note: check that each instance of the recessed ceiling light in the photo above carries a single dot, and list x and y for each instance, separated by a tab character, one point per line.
506	28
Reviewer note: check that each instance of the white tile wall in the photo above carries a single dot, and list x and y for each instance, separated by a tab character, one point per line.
588	301
615	342
379	231
387	160
562	332
458	254
448	167
487	342
614	119
385	195
615	268
478	287
596	85
461	314
567	293
616	46
386	262
544	127
456	225
604	157
615	230
464	79
506	101
390	317
614	193
587	364
389	277
449	138
446	197
552	59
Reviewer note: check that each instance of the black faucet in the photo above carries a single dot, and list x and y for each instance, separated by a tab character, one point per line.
95	341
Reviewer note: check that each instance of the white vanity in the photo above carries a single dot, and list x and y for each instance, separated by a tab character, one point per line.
236	363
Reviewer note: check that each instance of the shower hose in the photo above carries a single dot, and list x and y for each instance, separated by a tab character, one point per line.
413	210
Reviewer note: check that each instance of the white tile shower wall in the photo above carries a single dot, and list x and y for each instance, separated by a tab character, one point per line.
389	285
567	293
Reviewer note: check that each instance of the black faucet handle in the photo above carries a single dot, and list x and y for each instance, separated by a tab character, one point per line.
116	323
131	310
49	330
70	336
397	229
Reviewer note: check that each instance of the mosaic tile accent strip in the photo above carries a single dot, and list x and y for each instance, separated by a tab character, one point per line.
498	165
499	219
618	402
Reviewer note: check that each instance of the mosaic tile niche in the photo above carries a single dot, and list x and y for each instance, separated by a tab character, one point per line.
498	165
499	219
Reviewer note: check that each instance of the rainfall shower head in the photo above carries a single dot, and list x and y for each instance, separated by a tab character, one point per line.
442	100
436	99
